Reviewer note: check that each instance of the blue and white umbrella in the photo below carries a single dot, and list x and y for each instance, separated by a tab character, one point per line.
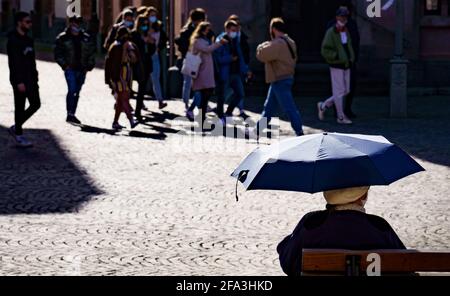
322	162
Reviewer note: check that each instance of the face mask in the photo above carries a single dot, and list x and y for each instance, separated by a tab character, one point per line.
128	24
341	24
144	28
75	29
232	35
153	19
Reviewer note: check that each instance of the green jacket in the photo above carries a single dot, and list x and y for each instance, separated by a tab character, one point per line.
334	52
65	51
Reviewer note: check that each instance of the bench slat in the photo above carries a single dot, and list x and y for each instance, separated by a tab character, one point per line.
392	261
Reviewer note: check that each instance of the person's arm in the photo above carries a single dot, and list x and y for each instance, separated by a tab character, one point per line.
200	46
222	57
329	51
14	60
267	52
59	52
290	251
111	37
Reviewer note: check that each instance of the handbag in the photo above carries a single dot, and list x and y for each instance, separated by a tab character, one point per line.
191	65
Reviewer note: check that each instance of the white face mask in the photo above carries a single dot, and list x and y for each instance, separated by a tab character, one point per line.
233	35
341	24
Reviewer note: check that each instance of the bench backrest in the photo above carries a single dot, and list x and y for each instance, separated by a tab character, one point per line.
356	263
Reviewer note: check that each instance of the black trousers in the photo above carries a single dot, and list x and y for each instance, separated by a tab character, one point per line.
140	97
22	114
206	96
350	97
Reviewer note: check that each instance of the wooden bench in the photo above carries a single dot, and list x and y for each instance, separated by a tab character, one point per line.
357	263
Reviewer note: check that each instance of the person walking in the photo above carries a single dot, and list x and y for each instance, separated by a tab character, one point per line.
279	56
75	54
118	74
125	19
196	16
159	35
337	51
232	69
141	37
23	76
245	48
205	82
353	29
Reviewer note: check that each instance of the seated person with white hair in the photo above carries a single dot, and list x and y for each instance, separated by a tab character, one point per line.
343	225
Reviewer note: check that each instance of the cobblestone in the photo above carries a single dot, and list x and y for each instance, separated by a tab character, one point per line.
86	201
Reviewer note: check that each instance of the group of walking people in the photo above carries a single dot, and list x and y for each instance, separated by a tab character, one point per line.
134	45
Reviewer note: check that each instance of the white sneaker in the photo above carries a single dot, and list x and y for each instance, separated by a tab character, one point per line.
321	113
23	142
344	121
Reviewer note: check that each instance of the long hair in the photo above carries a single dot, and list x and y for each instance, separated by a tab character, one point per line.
198	33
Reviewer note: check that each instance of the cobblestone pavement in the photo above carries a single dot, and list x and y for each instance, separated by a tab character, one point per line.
153	202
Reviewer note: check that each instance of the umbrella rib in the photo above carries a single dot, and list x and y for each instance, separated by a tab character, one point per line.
315	165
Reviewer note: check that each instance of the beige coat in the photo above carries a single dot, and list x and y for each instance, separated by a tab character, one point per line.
278	59
205	78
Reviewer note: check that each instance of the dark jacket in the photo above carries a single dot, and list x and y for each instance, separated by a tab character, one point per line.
65	51
183	41
114	62
224	59
111	36
352	27
158	27
21	60
245	47
143	69
333	51
348	230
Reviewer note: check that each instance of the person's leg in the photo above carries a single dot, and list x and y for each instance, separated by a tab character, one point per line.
205	94
283	93
156	78
338	87
80	78
140	99
187	85
35	104
19	110
71	91
269	110
221	89
238	89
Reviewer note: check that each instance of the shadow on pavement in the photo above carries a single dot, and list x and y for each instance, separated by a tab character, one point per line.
42	179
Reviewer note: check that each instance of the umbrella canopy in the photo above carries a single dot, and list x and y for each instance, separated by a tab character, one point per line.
322	162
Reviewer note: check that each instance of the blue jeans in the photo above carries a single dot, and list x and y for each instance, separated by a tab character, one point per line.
187	84
236	84
156	78
75	80
280	93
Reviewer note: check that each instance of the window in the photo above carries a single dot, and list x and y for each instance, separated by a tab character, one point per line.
432	7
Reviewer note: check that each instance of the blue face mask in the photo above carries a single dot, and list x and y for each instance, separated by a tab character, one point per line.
75	29
128	24
153	19
144	28
233	35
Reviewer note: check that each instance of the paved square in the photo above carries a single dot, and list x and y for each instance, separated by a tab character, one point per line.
87	202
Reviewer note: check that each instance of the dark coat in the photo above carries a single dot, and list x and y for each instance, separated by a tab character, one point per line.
348	230
245	47
352	27
21	60
143	69
183	41
65	50
114	62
